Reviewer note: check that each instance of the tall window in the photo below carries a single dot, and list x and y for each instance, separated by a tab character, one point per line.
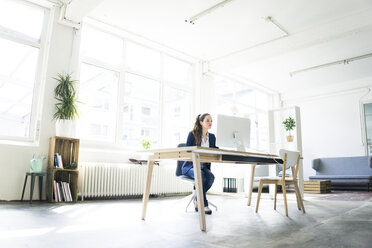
177	100
21	26
98	88
99	85
235	98
141	110
131	92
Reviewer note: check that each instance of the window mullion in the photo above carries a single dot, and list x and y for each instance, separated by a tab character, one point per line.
19	37
120	101
94	62
162	90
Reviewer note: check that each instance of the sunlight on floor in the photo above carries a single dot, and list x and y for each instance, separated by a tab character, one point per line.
20	233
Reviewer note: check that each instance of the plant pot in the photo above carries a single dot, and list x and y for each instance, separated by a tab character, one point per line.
290	138
64	128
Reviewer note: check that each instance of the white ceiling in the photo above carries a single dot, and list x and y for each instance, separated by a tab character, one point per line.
237	40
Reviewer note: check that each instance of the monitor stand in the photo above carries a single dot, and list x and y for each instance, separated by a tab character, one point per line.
239	142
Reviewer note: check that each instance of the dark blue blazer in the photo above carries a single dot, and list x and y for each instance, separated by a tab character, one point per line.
187	165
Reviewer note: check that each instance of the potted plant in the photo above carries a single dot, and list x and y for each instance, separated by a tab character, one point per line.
66	106
289	124
146	144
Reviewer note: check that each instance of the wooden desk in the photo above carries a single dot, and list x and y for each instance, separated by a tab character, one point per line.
203	154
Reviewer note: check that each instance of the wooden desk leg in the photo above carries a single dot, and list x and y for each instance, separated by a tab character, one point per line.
146	193
253	166
199	190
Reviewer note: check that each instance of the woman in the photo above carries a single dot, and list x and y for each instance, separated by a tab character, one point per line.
199	136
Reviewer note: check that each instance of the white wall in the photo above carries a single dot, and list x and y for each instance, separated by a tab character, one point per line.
331	124
15	158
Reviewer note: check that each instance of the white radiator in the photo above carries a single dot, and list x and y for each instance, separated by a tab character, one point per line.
99	180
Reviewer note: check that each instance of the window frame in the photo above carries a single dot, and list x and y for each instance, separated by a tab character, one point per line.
363	126
123	70
40	76
91	62
257	110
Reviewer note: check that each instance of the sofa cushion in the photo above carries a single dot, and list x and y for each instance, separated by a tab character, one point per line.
349	181
343	166
340	177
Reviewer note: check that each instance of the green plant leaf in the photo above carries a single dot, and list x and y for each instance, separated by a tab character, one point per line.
289	124
65	94
146	144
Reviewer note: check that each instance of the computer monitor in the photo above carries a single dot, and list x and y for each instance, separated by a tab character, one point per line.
233	132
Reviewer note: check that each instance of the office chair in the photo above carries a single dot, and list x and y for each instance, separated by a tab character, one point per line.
291	160
189	180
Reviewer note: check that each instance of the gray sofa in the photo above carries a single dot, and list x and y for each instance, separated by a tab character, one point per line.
344	172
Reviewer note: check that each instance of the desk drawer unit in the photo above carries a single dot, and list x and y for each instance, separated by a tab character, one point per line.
317	186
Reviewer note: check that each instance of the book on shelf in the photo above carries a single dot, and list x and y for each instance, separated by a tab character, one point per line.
55	189
63	186
69	192
62	192
58	161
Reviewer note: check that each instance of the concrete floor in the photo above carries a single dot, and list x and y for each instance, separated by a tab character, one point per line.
117	223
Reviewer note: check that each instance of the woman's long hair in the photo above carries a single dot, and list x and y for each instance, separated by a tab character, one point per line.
198	129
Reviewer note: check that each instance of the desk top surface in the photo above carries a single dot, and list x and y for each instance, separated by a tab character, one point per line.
208	150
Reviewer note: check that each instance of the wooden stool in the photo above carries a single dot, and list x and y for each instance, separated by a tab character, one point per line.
317	186
33	175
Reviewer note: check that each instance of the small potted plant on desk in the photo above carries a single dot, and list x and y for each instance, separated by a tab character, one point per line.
66	106
146	144
289	124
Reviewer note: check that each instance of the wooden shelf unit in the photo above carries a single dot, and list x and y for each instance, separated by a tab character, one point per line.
68	148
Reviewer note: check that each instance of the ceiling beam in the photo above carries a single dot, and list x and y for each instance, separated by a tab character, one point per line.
334	30
73	11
